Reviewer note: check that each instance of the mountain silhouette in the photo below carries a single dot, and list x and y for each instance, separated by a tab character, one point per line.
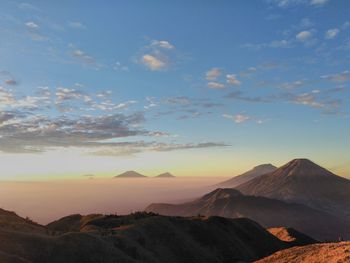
130	174
302	181
249	175
268	212
165	175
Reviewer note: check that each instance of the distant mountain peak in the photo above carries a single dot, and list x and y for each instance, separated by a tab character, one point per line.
247	176
165	175
130	174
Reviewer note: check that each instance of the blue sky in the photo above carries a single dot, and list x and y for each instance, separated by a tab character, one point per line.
227	84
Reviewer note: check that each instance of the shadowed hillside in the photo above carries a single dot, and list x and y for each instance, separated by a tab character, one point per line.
267	212
139	237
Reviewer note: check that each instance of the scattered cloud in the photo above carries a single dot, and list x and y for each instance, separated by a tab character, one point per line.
304	35
32	25
83	57
213	74
215	85
119	66
28	6
332	33
283	43
318	2
232	80
239	118
162	44
339	77
292	85
159	55
291	3
153	62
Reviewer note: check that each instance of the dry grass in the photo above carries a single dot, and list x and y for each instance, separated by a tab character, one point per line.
317	253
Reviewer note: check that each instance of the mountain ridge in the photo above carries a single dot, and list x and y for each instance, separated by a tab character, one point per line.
268	212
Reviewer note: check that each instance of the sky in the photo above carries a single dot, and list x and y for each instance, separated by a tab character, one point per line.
197	88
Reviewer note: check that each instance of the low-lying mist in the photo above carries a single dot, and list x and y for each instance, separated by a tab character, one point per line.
44	202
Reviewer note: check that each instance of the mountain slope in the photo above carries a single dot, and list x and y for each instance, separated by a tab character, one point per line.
130	174
268	212
249	175
316	253
303	181
140	237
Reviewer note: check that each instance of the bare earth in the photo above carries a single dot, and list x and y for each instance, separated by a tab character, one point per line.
316	253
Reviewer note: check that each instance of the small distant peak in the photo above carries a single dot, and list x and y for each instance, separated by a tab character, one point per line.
130	174
165	175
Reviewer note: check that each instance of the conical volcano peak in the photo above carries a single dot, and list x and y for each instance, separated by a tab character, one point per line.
302	161
302	167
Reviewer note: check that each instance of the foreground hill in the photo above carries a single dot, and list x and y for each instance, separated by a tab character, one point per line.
317	253
268	212
247	176
140	237
11	221
302	181
130	174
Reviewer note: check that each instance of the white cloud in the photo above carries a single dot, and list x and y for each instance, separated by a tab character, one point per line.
318	2
346	25
288	3
213	74
339	77
216	85
153	62
83	57
232	79
304	36
31	25
163	44
332	33
238	118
